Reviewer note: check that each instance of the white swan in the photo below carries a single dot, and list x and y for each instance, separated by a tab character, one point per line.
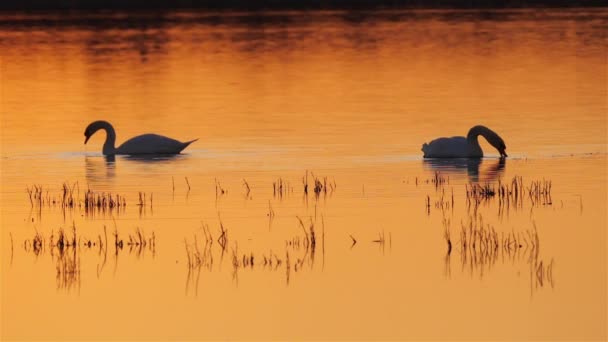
141	144
461	147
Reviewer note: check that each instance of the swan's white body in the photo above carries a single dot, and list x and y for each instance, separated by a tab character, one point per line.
141	144
461	147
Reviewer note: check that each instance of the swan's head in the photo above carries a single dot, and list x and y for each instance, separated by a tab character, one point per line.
498	143
88	132
502	149
491	136
94	127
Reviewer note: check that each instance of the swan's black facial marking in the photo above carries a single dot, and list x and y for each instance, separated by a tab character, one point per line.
502	149
87	135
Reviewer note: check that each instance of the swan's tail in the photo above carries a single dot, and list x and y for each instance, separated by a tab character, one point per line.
185	144
424	149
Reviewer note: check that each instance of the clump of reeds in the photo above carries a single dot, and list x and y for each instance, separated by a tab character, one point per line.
142	199
510	194
218	189
36	245
307	243
281	188
438	180
67	198
64	241
542	273
241	260
102	202
321	185
137	242
540	192
443	203
200	255
481	245
36	195
478	193
309	240
271	260
68	270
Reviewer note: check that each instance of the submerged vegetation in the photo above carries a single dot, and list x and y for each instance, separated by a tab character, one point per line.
69	198
514	194
298	252
479	245
66	246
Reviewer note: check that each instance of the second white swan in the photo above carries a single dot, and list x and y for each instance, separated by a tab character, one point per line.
141	144
461	147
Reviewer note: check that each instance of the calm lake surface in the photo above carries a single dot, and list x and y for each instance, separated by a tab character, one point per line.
284	98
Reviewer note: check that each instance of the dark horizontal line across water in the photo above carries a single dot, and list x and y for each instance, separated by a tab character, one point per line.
27	5
139	18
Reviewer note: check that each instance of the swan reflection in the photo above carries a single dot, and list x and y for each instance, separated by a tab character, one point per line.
477	169
154	158
99	171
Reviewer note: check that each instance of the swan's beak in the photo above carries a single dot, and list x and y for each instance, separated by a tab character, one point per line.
503	154
86	139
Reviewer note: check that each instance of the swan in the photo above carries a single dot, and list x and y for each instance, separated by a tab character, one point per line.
141	144
461	147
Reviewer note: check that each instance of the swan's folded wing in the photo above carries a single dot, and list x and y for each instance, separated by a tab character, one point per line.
151	144
454	147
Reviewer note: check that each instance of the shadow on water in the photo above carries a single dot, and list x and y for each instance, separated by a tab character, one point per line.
101	170
154	158
472	168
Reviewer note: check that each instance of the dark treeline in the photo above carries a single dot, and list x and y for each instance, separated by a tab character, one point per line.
35	5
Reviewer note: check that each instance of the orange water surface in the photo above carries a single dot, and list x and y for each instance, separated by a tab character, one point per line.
389	246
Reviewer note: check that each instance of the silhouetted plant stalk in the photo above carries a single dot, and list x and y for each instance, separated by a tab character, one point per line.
103	202
219	191
439	180
281	188
200	253
271	212
511	194
321	185
480	247
247	189
66	245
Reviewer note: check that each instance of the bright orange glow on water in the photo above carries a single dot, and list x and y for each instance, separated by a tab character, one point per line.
332	94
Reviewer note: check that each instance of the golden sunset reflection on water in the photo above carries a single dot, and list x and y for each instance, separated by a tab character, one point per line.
278	98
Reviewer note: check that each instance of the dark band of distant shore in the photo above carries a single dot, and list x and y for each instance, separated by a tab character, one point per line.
27	5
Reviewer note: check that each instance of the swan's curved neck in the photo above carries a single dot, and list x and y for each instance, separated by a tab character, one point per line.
491	136
473	134
476	131
474	147
108	146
